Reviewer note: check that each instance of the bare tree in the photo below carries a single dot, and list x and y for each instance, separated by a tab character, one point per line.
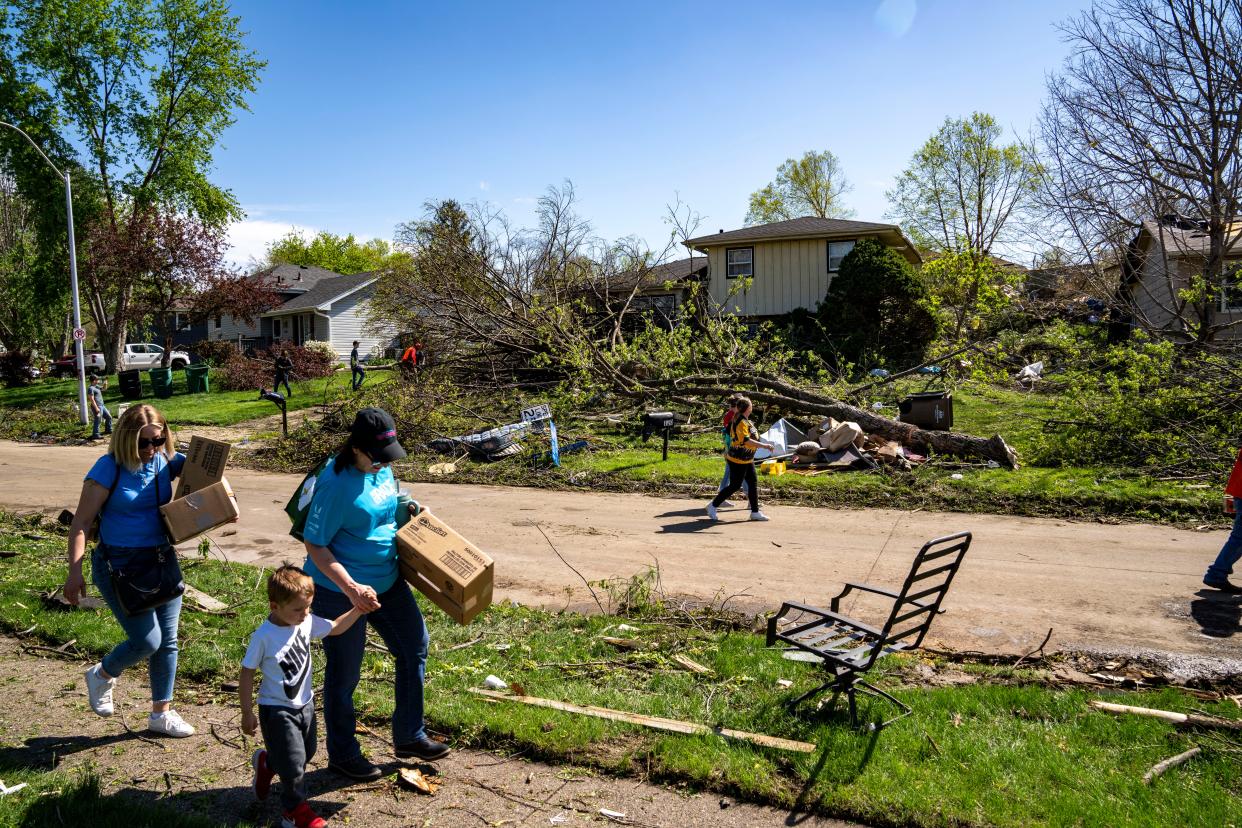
1141	137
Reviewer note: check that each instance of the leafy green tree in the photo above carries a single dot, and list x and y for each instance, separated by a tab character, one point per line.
32	311
967	289
964	190
145	88
342	254
812	185
877	311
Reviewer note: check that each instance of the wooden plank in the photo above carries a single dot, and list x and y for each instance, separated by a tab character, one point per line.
655	722
204	600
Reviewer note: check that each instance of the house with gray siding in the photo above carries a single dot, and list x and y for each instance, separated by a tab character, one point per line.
288	282
334	310
771	269
1159	264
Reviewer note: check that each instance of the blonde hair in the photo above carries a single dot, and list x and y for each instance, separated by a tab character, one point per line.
287	583
124	445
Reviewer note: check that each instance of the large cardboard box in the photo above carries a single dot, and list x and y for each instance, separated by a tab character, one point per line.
204	465
459	613
200	511
455	568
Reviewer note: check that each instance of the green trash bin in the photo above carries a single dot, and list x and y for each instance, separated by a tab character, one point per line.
161	382
196	380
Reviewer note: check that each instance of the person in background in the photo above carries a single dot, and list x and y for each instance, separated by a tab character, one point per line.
409	360
730	412
349	536
98	409
284	366
125	489
355	366
1217	575
743	444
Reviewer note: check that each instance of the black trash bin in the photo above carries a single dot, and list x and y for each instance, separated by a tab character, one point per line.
131	384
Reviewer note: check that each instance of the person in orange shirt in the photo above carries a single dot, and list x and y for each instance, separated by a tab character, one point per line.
1217	575
409	359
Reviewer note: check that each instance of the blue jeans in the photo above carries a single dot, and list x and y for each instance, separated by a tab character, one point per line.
151	636
400	624
96	416
282	378
357	375
1222	568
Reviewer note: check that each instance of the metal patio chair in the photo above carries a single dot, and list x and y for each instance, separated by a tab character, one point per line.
848	647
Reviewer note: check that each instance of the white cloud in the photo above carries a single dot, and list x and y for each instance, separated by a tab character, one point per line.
525	200
896	16
483	185
248	240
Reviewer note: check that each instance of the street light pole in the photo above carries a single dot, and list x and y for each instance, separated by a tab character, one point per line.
73	272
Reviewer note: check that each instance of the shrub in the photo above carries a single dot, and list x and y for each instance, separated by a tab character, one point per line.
877	312
325	349
242	373
214	352
15	368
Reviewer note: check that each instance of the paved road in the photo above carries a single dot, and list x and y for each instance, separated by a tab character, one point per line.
1095	585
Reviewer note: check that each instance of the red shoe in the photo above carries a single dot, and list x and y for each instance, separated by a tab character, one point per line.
262	781
302	817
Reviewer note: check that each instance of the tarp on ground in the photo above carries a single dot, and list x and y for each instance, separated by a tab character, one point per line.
784	435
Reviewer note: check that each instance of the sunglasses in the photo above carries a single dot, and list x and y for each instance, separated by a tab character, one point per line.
154	442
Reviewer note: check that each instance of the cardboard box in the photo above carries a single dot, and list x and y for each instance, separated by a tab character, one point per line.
456	568
460	614
200	511
204	465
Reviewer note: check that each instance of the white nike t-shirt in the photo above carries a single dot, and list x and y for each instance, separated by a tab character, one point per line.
282	654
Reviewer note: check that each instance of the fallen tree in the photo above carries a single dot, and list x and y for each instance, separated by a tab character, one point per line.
774	391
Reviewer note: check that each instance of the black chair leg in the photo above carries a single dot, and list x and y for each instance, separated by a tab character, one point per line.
872	690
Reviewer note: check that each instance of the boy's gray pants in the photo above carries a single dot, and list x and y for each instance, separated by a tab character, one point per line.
289	735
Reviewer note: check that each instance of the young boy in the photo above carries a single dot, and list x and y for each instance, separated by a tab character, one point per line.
98	409
281	648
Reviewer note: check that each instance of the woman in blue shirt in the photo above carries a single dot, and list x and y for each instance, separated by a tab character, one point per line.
125	489
349	536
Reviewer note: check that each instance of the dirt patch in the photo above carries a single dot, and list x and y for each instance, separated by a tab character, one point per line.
46	723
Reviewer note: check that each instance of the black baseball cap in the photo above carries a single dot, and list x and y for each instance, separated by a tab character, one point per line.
375	433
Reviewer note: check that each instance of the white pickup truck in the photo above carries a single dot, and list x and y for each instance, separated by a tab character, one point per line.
143	355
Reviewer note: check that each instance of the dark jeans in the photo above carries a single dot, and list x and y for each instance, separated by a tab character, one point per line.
282	377
289	736
357	375
151	636
400	624
1231	552
739	474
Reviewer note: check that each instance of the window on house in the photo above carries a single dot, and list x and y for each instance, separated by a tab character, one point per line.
275	329
740	262
838	250
1231	291
217	322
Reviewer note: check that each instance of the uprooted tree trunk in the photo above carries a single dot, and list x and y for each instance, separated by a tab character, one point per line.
777	392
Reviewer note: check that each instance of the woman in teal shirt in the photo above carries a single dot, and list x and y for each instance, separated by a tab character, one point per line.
125	489
349	536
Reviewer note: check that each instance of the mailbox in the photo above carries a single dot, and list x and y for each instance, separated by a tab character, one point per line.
659	422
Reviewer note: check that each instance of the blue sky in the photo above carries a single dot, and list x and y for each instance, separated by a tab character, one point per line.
369	109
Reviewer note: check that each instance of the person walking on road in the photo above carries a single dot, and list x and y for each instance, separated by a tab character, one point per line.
1217	575
724	430
358	373
284	367
99	411
743	444
349	536
124	490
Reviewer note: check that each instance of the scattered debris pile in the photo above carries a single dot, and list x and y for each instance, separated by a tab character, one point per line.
830	446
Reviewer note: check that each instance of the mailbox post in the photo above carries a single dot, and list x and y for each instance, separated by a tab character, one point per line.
659	421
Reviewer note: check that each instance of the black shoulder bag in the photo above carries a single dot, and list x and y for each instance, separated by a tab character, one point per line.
152	578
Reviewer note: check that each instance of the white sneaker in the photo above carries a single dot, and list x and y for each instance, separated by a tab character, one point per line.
759	516
729	504
711	511
169	724
99	691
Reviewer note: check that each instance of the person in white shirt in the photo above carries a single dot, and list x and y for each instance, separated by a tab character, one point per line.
280	648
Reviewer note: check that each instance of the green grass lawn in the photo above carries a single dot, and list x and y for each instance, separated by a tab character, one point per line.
1005	750
57	400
